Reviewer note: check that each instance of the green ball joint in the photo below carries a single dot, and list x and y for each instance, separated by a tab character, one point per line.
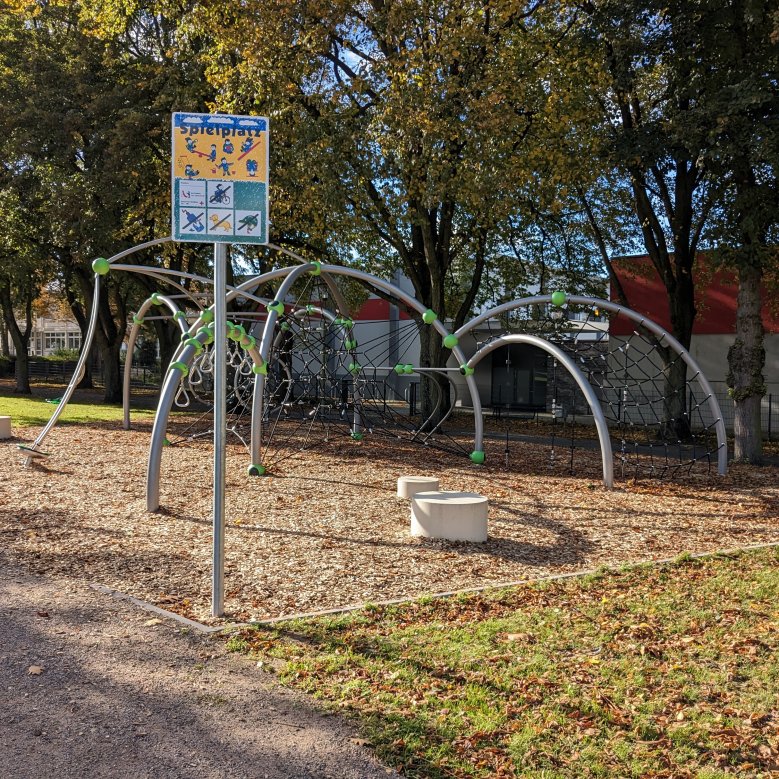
316	268
466	370
180	366
207	316
429	316
193	342
407	369
179	315
260	369
356	436
156	299
101	266
354	368
450	341
137	320
275	306
559	298
399	368
477	457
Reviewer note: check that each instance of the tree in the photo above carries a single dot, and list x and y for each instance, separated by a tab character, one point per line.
400	131
743	152
647	93
23	268
99	147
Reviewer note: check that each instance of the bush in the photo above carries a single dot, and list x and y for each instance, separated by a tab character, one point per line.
63	354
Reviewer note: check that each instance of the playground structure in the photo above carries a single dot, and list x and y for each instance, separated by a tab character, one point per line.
301	370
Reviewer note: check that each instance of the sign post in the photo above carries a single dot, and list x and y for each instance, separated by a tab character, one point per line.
220	195
220	423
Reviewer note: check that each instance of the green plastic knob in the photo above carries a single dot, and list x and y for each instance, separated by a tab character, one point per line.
477	457
429	316
408	369
179	315
284	326
399	368
275	305
207	315
451	341
350	344
348	324
180	366
257	470
356	436
559	298
466	370
137	320
262	368
156	299
316	268
354	367
101	266
194	342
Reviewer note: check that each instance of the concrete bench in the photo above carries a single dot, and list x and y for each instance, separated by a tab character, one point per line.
453	516
5	427
408	486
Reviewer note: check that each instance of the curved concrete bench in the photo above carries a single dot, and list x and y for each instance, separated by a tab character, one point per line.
454	516
408	486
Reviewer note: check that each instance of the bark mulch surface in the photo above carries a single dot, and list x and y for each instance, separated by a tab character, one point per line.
326	530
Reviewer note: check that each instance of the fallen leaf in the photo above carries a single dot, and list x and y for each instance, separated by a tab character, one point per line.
35	670
153	621
361	742
44	614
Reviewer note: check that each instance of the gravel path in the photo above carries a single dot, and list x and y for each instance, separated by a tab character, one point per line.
118	697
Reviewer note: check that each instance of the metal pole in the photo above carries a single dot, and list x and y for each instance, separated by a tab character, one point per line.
220	422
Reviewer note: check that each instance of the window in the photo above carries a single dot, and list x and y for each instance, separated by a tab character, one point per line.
54	341
74	340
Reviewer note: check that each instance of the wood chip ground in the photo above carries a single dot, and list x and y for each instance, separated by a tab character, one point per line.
326	529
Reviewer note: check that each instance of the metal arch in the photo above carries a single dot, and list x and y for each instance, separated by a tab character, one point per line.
589	394
87	345
478	421
663	335
128	360
255	444
340	302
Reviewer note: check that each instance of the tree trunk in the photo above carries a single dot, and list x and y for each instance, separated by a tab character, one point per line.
434	396
168	337
675	425
86	379
21	338
5	344
112	374
746	359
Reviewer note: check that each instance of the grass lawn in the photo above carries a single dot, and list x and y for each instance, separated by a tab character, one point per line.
650	671
33	411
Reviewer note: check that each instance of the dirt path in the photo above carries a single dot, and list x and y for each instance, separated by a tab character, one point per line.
120	698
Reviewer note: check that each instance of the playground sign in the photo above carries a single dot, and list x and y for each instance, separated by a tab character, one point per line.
220	178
